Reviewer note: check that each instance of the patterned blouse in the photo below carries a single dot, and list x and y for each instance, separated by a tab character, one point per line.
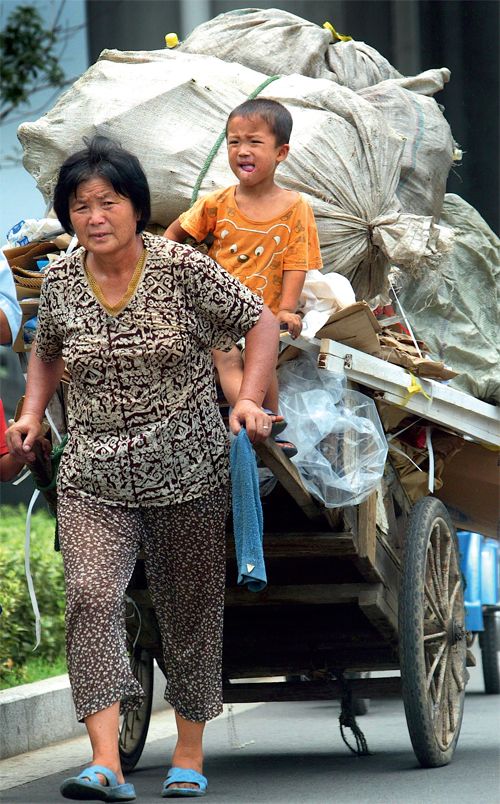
144	427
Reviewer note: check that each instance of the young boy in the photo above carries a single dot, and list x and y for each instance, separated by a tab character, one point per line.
264	235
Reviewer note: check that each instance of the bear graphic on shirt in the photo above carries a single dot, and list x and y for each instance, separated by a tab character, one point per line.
248	252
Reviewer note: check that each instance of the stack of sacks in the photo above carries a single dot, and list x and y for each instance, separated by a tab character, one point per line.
169	107
275	42
279	43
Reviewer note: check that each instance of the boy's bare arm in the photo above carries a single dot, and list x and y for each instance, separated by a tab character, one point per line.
175	232
293	282
10	466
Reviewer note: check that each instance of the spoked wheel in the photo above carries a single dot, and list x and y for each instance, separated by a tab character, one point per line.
432	644
134	725
489	642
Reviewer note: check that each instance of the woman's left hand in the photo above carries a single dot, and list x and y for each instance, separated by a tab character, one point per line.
248	414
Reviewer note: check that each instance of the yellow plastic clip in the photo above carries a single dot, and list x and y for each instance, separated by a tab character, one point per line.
341	37
414	388
171	40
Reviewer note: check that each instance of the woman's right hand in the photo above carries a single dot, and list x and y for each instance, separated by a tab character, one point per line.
21	436
246	413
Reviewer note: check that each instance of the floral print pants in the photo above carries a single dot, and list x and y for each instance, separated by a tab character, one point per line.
184	552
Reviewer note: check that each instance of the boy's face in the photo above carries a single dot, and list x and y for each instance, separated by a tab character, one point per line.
252	150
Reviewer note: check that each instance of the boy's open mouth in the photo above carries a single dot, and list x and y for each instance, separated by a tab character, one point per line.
247	167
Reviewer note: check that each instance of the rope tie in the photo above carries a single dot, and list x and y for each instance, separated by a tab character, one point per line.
347	719
213	151
55	459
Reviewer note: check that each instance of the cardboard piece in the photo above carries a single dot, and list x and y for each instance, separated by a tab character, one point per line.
471	489
29	309
25	257
354	326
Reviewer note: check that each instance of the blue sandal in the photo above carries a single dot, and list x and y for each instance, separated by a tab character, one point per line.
87	786
182	776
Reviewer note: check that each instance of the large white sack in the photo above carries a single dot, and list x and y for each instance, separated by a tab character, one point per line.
429	146
169	108
458	316
275	42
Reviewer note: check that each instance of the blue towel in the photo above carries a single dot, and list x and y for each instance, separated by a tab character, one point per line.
247	514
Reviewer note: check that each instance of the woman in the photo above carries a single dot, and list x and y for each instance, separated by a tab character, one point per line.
134	318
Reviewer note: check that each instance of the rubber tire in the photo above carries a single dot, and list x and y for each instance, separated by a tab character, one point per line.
489	642
411	645
141	664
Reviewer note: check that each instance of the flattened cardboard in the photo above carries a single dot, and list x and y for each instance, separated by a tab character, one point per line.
25	257
354	326
471	490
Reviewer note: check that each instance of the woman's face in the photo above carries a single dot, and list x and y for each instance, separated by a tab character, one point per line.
104	221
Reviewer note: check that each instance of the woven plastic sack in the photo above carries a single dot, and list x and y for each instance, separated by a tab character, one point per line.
457	315
339	437
277	42
169	108
429	148
274	42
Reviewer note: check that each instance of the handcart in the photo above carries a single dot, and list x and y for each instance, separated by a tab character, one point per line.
371	587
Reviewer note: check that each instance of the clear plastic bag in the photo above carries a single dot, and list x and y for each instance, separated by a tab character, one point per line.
338	434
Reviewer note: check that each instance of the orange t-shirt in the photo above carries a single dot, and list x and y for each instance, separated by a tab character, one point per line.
256	252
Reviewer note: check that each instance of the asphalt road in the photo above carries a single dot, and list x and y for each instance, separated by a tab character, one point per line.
293	753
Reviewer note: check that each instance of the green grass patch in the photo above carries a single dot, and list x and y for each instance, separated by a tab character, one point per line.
36	669
18	663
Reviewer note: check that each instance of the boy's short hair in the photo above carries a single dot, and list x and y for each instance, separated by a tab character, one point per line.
277	116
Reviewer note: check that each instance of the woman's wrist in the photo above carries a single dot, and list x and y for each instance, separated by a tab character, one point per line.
33	414
247	399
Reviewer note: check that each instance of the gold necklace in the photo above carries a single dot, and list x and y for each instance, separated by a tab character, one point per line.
113	309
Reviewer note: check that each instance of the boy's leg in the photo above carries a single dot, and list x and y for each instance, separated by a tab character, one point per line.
271	399
229	367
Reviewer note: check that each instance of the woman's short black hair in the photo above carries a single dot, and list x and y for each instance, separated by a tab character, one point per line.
277	116
107	159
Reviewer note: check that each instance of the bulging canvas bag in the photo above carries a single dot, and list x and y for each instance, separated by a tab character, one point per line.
273	41
169	108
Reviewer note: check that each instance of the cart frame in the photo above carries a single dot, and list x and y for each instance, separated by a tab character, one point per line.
376	586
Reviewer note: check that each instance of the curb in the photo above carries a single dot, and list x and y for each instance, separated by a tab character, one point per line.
37	715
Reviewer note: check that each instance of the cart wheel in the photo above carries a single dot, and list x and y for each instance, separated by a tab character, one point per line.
489	642
432	644
134	725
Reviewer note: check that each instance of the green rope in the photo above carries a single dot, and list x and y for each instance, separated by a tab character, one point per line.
55	458
220	139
